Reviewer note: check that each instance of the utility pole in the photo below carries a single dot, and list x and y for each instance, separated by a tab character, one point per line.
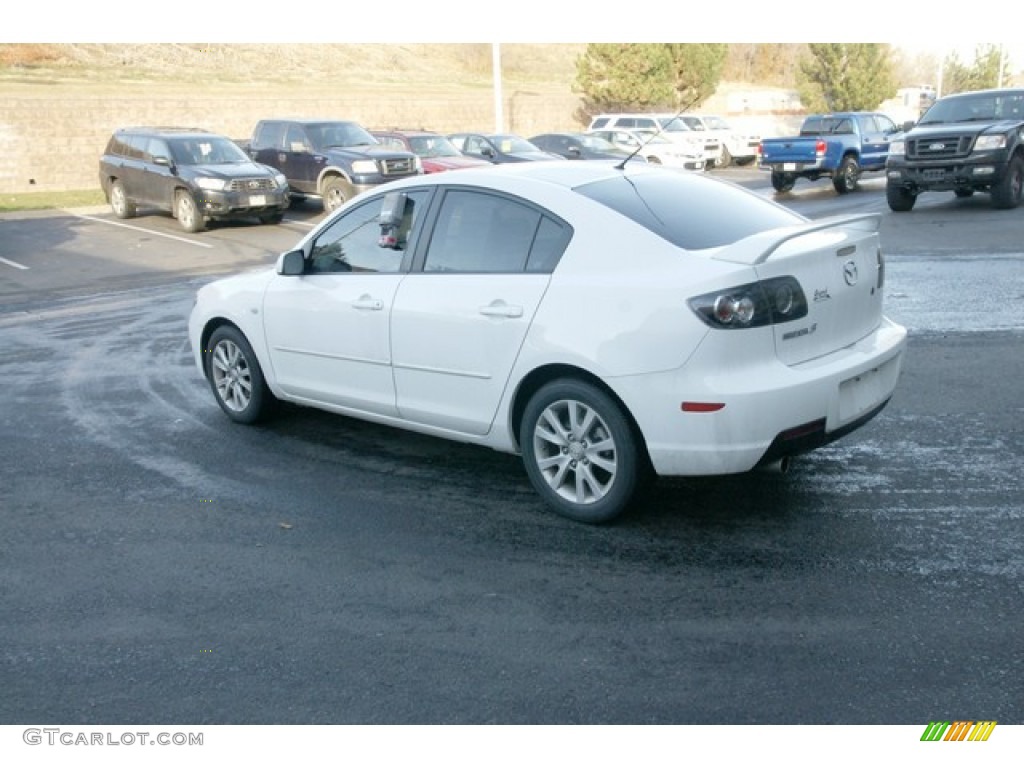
499	118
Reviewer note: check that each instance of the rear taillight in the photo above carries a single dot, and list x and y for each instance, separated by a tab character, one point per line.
820	148
776	300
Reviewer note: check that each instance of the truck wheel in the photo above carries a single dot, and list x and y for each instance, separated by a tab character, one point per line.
847	175
1006	194
783	182
335	192
900	198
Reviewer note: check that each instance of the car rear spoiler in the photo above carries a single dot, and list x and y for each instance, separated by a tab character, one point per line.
758	248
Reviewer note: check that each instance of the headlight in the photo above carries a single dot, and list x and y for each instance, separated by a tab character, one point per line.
364	166
280	180
898	148
990	142
214	185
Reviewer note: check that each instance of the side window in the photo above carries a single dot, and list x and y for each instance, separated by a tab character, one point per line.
885	125
476	145
295	139
352	242
157	148
269	136
551	241
479	232
391	142
136	147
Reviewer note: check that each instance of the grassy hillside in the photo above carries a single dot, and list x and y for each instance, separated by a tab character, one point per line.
309	66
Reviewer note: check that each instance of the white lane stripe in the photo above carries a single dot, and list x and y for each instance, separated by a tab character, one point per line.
143	229
14	264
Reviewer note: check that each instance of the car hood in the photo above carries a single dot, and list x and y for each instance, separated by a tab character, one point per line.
229	171
944	129
434	164
364	151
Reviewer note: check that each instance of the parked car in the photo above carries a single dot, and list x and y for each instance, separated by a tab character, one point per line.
579	146
655	148
669	126
436	151
737	146
499	147
965	143
840	146
608	324
195	175
334	160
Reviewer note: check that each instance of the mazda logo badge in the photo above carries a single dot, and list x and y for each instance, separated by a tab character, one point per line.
850	272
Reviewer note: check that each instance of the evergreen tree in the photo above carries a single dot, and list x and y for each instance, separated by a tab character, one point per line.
845	77
625	77
983	73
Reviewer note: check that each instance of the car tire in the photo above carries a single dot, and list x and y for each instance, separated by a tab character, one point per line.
900	199
272	218
847	175
235	376
1007	193
187	212
581	452
336	192
123	207
783	182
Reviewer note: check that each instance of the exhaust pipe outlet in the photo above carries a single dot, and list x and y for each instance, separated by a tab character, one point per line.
780	467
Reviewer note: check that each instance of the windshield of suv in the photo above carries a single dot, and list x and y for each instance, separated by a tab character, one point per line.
976	106
433	146
206	150
324	135
672	124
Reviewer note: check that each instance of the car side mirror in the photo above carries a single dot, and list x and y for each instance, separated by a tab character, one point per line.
291	263
161	160
908	125
487	152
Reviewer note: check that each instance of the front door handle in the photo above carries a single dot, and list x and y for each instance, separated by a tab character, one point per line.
368	302
500	309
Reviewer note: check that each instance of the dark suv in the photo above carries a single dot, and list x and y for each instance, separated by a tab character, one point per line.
195	175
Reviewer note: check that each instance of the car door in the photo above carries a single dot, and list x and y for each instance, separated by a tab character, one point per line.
327	330
159	179
876	133
460	319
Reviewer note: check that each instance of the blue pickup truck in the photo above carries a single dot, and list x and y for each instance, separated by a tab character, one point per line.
839	146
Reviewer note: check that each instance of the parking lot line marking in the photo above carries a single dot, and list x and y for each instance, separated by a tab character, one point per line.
143	229
14	264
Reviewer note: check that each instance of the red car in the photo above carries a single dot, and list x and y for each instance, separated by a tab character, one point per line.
435	151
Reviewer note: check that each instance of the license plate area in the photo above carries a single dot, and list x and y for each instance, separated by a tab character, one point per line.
934	174
859	394
789	167
257	200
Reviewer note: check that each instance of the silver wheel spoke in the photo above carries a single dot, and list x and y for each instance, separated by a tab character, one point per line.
574	451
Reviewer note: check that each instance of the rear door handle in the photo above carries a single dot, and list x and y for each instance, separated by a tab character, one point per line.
500	309
368	302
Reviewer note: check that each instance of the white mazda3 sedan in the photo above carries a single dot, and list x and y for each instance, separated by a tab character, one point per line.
607	324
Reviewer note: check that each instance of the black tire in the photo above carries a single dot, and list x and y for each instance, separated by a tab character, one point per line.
1007	193
847	175
296	200
272	218
187	212
580	451
900	199
123	207
235	377
783	182
335	193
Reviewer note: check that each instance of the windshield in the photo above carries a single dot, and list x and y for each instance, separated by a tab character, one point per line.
508	143
324	135
206	150
598	144
717	124
690	210
976	106
433	146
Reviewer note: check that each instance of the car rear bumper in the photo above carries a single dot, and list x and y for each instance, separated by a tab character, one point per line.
768	410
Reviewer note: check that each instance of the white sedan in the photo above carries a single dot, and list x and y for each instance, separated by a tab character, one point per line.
607	324
655	148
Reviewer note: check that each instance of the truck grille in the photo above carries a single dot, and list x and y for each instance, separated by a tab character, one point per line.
939	147
252	185
398	166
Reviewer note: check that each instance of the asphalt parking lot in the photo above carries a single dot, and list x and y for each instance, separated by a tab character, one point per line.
163	565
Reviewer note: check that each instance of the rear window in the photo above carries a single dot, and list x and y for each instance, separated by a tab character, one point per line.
690	210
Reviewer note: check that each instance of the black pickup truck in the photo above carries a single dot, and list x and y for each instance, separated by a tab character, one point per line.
965	143
330	159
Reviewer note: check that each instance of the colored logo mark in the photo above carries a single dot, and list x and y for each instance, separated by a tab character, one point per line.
959	730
